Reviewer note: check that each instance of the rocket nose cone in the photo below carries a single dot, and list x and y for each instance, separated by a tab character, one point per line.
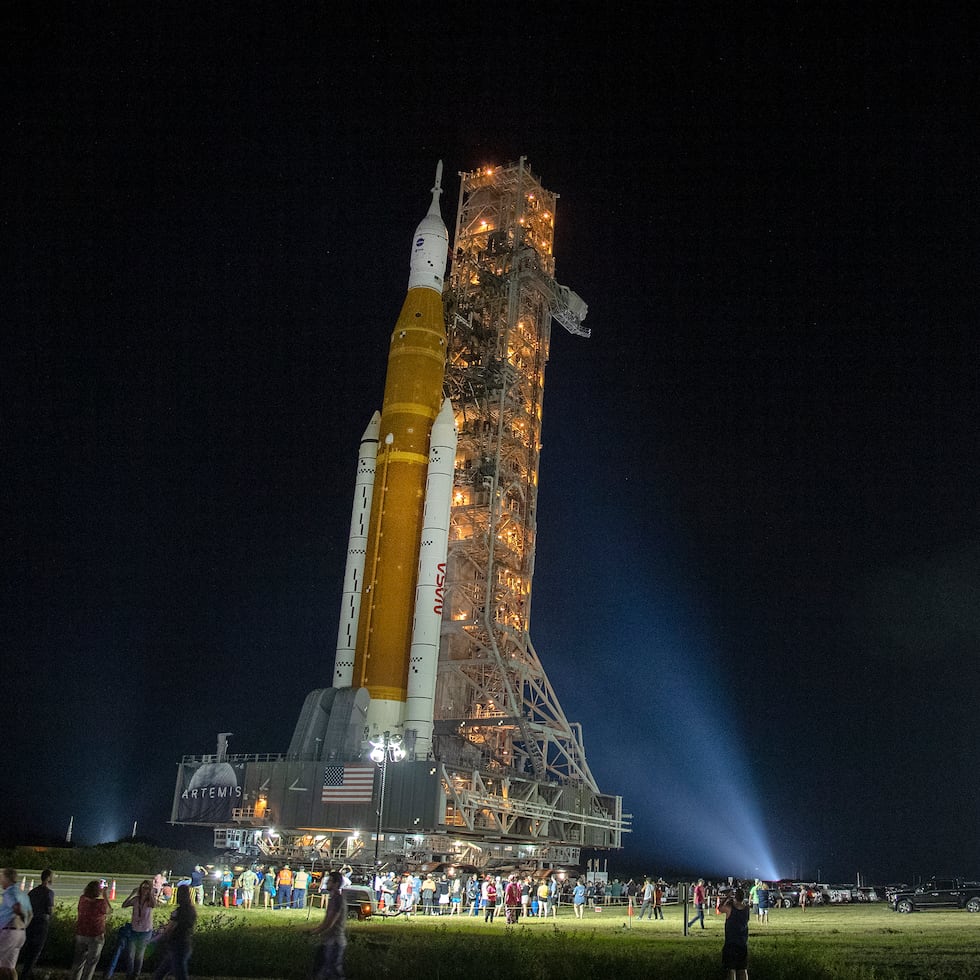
446	419
373	428
430	248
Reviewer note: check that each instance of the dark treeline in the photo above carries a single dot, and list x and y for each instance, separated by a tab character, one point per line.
114	858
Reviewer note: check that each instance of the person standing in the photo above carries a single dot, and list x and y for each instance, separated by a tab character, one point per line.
301	882
762	901
647	899
630	891
284	887
176	937
658	899
428	894
698	904
142	902
228	891
93	910
42	907
512	900
544	896
473	893
247	881
598	894
269	888
388	890
329	962
197	884
735	952
578	899
490	891
15	917
442	890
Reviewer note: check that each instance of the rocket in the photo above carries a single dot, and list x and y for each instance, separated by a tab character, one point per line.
392	602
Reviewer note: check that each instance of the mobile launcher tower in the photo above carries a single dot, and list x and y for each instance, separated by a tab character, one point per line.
441	738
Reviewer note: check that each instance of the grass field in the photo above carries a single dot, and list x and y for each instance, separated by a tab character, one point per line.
869	942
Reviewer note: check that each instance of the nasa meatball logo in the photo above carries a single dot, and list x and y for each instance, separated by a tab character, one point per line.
419	242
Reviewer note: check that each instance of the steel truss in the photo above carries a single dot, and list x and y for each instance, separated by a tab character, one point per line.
496	712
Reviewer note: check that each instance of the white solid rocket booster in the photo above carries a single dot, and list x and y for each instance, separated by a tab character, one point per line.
430	596
350	605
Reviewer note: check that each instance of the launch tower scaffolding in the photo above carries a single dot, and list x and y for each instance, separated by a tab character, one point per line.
512	761
507	781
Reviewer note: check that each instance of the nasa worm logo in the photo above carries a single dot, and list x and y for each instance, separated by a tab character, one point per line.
440	589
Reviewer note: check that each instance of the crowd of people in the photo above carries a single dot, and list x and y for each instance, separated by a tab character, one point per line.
257	886
474	894
25	917
266	887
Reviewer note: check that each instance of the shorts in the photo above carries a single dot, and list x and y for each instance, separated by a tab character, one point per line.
734	957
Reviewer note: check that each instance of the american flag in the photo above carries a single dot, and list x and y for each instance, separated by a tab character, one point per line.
347	784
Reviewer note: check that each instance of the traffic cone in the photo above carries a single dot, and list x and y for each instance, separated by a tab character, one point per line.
112	891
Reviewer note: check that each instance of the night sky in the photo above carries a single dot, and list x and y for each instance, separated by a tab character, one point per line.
758	568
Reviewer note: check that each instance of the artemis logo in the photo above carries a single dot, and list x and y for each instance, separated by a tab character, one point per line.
440	589
212	793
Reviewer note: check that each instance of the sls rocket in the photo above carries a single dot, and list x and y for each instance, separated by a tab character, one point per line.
391	614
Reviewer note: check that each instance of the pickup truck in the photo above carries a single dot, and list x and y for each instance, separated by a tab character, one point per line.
940	893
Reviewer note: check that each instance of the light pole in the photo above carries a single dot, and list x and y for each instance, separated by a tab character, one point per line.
385	749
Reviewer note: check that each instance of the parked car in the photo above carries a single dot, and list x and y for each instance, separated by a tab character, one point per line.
865	893
939	893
